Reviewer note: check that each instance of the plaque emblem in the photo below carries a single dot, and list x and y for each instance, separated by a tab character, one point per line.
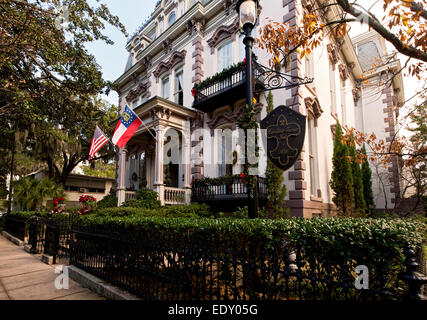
285	136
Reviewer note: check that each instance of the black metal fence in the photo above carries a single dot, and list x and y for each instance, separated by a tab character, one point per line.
16	226
163	266
234	190
172	267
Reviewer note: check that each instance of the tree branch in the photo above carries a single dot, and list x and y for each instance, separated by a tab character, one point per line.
386	34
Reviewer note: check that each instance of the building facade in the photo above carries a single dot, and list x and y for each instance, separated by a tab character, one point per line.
187	43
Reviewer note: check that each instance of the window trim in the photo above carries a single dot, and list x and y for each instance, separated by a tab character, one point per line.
178	70
163	80
221	46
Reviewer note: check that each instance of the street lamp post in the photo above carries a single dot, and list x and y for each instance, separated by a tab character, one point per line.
248	12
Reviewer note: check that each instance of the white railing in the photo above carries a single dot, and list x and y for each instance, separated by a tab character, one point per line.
129	195
175	196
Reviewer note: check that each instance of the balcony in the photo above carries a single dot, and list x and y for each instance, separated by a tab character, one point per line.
225	87
226	193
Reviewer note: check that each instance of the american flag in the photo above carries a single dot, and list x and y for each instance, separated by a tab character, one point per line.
98	141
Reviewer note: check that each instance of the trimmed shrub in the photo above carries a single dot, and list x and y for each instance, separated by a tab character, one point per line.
145	198
191	210
184	211
109	201
324	248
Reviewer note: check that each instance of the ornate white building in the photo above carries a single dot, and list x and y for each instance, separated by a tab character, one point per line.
185	42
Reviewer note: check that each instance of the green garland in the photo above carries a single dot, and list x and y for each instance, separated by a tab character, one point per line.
227	72
224	180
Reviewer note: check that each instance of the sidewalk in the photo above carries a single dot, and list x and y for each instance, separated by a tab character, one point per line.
24	277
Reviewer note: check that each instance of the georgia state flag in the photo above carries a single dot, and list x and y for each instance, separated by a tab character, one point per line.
128	124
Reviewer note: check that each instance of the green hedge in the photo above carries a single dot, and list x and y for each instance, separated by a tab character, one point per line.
352	237
242	245
182	211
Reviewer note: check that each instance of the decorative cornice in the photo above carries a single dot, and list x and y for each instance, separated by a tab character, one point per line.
196	26
147	61
163	67
343	69
332	53
313	106
133	94
223	33
167	46
356	94
160	113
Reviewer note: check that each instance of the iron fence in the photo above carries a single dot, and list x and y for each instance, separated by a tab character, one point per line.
50	236
16	226
163	266
172	267
234	190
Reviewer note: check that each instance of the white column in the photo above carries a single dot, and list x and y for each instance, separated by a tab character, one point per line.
121	185
186	160
158	179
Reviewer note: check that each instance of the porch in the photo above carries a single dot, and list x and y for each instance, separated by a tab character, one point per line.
158	155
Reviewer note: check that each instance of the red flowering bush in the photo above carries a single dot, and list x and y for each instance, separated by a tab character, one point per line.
57	205
89	204
194	92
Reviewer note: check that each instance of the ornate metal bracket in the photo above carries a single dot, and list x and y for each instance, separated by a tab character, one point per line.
269	79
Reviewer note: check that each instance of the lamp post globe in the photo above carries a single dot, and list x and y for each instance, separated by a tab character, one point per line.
248	12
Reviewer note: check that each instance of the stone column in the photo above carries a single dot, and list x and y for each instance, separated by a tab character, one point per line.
121	185
158	179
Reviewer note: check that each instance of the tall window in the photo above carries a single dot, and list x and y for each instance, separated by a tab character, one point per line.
143	98
179	87
343	105
224	167
134	104
312	154
332	89
172	19
309	66
225	56
165	87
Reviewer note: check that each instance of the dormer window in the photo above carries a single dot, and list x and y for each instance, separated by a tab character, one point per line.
172	19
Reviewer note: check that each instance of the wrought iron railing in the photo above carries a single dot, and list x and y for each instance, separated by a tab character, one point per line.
50	235
16	226
236	189
168	266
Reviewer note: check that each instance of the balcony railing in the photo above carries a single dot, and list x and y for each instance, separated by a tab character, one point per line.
235	190
225	87
175	196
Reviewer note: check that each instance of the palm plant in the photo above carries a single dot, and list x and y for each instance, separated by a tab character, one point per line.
30	193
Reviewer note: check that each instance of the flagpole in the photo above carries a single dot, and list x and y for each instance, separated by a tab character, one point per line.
145	126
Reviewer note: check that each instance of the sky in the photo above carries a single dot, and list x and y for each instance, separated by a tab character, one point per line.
113	58
132	13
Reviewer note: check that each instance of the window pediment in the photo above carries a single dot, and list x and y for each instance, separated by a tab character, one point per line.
176	57
313	106
223	33
134	94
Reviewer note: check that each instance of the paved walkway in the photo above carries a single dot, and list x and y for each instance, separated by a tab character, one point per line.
24	277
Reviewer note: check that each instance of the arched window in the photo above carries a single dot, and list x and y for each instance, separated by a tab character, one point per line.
172	19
